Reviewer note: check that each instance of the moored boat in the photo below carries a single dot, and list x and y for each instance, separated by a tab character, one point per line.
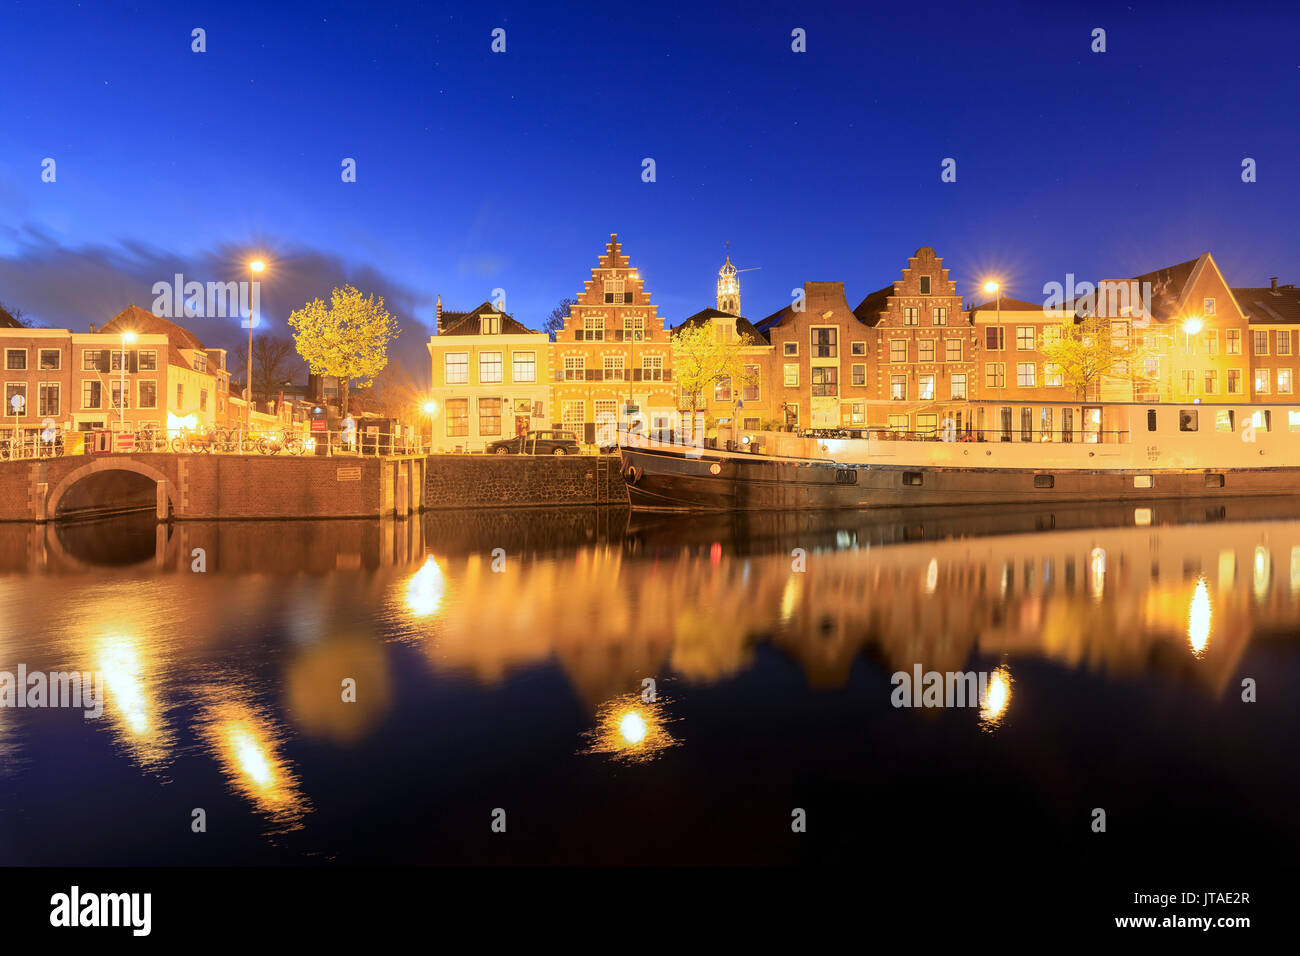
1136	452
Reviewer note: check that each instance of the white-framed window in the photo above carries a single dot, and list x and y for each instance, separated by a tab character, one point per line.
652	368
146	393
633	328
1261	341
1025	338
91	394
1283	341
614	294
613	368
1052	375
572	415
995	375
791	375
1284	381
898	350
911	315
859	375
722	389
858	413
1025	374
1234	381
900	423
958	382
1262	381
1212	342
489	368
952	350
593	329
939	315
898	388
489	325
1207	306
115	395
825	381
1211	381
994	338
925	350
51	360
49	400
15	360
749	388
524	367
575	368
859	348
147	360
455	368
789	349
1051	335
1234	342
925	388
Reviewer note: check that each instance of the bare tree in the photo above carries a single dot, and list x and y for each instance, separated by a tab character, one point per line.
555	321
274	361
21	317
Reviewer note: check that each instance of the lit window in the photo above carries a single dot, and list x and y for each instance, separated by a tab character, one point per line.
525	366
1262	381
456	368
1025	374
925	388
995	375
1284	381
939	315
1234	342
898	388
958	386
489	368
926	350
1025	338
1234	381
825	381
1052	376
911	316
791	376
952	350
613	291
1207	306
824	342
898	350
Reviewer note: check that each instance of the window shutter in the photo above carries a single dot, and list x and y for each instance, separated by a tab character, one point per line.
133	362
636	375
105	360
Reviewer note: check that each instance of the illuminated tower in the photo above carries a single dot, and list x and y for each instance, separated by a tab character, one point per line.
728	287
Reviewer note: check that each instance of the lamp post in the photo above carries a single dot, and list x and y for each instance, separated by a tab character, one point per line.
254	268
431	409
127	338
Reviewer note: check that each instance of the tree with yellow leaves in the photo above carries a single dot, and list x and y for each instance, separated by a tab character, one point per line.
348	339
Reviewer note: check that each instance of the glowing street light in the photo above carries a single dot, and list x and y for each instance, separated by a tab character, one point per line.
1193	325
993	287
430	409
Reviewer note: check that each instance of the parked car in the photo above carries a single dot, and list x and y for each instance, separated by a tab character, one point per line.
537	443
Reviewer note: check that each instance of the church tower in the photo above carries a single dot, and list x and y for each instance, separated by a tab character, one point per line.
728	287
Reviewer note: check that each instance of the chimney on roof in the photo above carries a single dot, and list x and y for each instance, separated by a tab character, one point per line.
1273	279
92	328
438	315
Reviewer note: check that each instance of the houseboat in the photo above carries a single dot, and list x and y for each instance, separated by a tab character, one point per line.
1043	453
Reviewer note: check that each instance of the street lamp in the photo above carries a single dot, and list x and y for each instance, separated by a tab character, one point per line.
127	338
255	267
1192	325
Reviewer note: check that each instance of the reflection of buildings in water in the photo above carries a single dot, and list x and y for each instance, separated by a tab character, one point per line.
246	745
1116	601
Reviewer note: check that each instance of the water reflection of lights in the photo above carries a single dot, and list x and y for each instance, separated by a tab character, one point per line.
425	589
128	697
630	729
932	576
246	747
1097	567
789	598
1262	572
997	697
1198	618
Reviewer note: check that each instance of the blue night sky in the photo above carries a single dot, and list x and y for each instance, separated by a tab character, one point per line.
479	170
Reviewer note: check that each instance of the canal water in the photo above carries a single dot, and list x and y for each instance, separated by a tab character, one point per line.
622	689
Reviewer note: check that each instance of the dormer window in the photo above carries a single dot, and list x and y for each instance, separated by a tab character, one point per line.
489	325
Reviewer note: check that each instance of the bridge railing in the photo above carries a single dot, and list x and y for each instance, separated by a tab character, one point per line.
234	441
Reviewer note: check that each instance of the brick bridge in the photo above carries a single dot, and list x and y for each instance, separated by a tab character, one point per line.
202	486
212	486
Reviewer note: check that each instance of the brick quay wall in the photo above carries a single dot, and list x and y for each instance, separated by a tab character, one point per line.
522	481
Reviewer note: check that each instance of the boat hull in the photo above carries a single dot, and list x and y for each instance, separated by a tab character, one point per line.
664	479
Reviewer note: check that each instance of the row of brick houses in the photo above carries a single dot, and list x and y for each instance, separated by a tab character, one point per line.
906	357
75	379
